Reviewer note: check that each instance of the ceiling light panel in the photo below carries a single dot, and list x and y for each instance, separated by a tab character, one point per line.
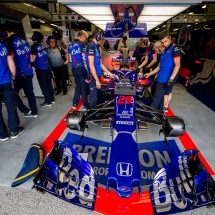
154	15
168	10
93	17
91	9
99	15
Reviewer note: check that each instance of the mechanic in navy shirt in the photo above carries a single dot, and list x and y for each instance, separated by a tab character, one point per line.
158	48
167	71
78	64
95	66
8	94
150	57
21	52
139	52
40	57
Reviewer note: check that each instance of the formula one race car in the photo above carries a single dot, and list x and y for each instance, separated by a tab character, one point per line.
126	75
181	185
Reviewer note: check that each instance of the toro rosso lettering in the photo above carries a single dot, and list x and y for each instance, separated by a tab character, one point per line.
3	52
24	51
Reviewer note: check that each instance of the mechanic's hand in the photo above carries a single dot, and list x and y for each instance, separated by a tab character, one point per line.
98	84
138	69
66	62
88	79
146	70
147	75
169	83
13	82
111	75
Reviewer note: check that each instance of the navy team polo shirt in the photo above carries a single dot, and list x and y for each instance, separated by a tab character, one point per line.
76	49
22	54
167	63
5	75
41	61
92	50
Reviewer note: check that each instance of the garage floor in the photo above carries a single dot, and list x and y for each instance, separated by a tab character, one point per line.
199	119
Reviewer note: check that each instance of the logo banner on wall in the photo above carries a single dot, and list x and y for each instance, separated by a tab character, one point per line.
152	156
117	30
139	31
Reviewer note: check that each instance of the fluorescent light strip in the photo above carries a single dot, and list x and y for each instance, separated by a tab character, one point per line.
29	5
42	21
54	25
153	18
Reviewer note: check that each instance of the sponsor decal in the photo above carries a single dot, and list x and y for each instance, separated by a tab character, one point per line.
124	169
124	122
124	189
153	156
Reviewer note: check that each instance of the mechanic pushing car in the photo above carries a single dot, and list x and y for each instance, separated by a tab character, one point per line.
167	70
150	57
79	68
95	66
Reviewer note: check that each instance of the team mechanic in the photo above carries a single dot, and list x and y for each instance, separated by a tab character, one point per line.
158	48
56	56
95	66
167	70
78	64
21	52
8	69
150	57
40	57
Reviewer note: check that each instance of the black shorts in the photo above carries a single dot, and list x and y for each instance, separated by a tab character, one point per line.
169	90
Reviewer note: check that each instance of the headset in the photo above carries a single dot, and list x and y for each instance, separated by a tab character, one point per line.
48	42
145	42
33	38
3	34
98	36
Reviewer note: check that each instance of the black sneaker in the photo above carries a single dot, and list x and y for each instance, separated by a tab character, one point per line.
69	82
4	139
58	93
29	114
53	102
65	93
15	134
74	106
165	109
46	104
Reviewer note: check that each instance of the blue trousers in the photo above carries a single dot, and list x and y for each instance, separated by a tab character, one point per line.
94	93
158	99
27	85
44	79
9	97
80	75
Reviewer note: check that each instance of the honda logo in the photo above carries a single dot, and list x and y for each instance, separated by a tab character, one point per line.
124	169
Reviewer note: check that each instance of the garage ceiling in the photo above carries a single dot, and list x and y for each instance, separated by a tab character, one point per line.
151	14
